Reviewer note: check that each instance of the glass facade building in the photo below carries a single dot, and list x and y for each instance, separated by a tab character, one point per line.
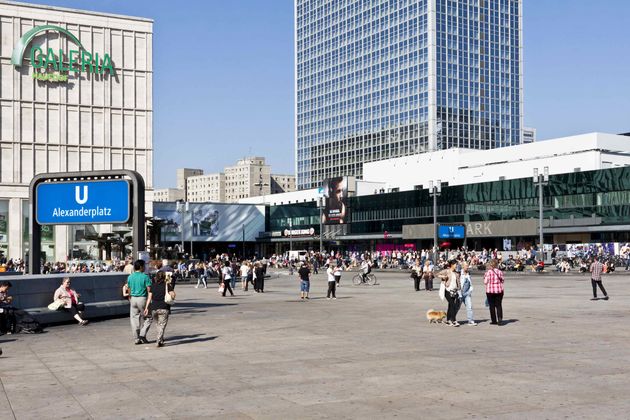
592	205
383	79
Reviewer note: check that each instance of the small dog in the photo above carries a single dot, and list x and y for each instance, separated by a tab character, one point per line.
435	316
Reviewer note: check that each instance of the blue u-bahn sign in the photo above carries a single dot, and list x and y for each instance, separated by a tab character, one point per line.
451	231
83	202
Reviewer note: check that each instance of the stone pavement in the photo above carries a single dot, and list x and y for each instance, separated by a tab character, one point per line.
369	354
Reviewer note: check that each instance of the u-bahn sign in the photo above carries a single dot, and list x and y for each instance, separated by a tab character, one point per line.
54	65
87	202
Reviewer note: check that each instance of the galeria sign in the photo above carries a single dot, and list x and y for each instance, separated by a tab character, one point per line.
75	60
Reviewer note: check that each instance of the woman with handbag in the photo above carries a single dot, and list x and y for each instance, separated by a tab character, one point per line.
226	277
68	300
450	289
416	274
159	302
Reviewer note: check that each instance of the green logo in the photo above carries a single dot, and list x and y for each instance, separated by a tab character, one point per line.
77	60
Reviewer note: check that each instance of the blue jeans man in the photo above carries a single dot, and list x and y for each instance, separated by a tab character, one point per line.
469	309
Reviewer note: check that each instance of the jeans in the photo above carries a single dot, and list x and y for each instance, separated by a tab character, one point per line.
305	286
469	308
495	302
233	282
202	279
596	283
136	305
161	317
331	289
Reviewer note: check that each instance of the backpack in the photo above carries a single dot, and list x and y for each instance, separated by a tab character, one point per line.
26	324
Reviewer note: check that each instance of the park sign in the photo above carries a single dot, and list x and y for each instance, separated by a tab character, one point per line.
55	65
84	202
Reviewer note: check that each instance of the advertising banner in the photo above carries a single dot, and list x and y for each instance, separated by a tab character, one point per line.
335	201
210	222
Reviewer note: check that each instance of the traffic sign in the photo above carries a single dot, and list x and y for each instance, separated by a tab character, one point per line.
451	231
84	202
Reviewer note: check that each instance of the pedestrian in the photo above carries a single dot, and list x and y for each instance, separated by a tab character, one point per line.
139	285
70	299
449	289
226	277
156	304
427	275
330	272
337	273
304	273
493	279
259	277
416	275
8	322
467	289
596	278
202	276
244	270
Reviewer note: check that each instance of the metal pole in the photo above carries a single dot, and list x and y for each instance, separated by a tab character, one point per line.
243	241
321	230
434	220
540	215
192	231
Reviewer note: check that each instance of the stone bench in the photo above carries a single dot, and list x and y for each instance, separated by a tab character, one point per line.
100	292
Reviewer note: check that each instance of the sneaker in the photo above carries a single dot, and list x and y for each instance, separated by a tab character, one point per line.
160	343
334	298
493	323
456	324
472	323
138	341
449	323
306	297
605	297
328	298
144	340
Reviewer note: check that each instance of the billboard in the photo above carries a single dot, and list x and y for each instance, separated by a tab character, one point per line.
210	222
335	201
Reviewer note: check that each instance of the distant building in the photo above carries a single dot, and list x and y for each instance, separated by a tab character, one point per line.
282	183
206	188
529	135
249	177
168	194
183	174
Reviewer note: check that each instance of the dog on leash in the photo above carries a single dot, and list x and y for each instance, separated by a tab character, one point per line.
434	316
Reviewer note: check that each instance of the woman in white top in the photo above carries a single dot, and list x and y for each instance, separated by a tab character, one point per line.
244	271
337	273
450	289
226	274
330	272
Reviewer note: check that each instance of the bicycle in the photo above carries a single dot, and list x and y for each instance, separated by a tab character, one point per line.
370	279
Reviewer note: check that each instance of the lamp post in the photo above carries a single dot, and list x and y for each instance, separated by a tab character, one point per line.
182	208
541	180
435	189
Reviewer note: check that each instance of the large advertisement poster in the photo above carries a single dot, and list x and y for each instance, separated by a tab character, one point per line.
335	201
210	221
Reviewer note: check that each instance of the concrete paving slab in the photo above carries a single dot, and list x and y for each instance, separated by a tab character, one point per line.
368	354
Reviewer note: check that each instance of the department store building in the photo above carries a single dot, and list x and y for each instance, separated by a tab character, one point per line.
75	95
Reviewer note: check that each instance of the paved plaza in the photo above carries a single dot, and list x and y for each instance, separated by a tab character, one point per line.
369	354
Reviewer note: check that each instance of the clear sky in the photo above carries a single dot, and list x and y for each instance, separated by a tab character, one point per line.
223	75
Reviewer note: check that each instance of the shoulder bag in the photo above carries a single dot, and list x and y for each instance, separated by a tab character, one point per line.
168	299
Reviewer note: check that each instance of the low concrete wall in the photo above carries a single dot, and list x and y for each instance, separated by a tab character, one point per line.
100	292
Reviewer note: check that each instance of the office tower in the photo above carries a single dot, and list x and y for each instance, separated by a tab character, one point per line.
383	79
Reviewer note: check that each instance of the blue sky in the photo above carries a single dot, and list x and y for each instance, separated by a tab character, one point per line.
223	75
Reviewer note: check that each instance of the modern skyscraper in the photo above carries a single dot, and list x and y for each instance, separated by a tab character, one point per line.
389	78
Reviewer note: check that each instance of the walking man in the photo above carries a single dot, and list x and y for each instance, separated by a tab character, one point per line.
596	278
139	287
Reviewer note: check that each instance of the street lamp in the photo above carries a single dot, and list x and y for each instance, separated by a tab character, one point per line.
541	180
182	208
435	189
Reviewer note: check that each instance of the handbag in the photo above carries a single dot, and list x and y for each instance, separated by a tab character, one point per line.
221	288
168	299
126	292
56	305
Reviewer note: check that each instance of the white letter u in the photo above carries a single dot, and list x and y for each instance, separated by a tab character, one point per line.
77	194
